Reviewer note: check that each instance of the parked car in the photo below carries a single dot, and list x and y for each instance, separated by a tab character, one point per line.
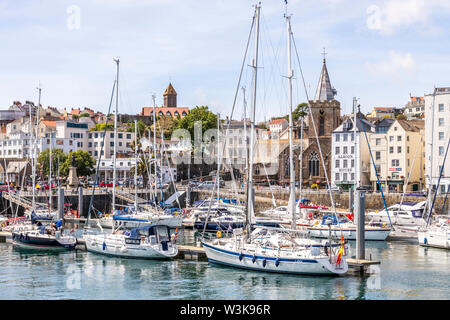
107	184
206	185
365	188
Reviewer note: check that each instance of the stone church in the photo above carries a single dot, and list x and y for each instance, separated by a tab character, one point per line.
326	114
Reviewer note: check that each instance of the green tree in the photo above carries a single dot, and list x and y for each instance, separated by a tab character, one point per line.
143	167
85	114
58	156
141	128
208	119
300	112
102	126
83	162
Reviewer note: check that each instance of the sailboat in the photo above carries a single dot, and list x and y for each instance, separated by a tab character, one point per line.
151	241
273	249
34	235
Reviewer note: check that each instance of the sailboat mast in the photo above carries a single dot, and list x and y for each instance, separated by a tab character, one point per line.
135	166
250	204
115	138
245	130
50	176
218	157
291	137
430	187
355	180
35	132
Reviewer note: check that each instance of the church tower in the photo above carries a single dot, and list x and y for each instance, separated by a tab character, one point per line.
326	112
170	97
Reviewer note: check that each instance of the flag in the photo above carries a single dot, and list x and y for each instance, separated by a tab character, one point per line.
341	251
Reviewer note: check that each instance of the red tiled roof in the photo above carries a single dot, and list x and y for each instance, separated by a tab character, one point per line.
148	111
278	121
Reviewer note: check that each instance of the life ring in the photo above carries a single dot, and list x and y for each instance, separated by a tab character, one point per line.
219	234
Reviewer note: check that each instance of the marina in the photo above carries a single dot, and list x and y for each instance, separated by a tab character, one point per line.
407	271
272	187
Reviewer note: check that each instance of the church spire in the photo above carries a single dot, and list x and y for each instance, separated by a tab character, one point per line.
325	91
170	97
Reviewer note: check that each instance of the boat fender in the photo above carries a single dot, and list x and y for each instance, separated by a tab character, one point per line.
241	256
277	262
425	241
93	243
264	262
123	249
254	258
219	234
104	246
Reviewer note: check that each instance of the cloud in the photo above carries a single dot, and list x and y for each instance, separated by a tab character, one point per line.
396	66
394	15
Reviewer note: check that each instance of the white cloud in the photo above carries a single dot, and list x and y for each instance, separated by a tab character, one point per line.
396	66
400	14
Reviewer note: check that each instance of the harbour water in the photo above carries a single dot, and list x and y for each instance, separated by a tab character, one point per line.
407	271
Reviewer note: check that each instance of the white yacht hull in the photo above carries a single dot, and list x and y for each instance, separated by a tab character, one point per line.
116	246
438	239
374	234
171	221
319	266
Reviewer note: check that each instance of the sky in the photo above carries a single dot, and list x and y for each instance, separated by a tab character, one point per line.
379	51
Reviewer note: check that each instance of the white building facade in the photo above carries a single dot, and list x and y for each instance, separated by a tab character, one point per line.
437	135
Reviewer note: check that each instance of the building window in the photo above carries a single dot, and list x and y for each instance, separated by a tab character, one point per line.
399	138
352	163
377	155
441	136
345	137
111	143
377	141
345	150
128	135
352	150
391	138
111	135
441	151
353	136
395	162
407	138
337	176
441	107
395	128
313	164
345	164
337	137
399	149
441	122
321	126
353	176
337	163
337	150
391	149
344	177
120	135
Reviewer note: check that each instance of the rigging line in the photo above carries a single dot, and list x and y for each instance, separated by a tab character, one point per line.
437	185
410	170
101	151
276	62
165	157
232	111
375	168
315	132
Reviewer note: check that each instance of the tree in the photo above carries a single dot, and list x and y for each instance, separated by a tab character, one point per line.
85	114
401	116
207	118
102	126
141	128
167	124
300	112
83	162
143	167
58	157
